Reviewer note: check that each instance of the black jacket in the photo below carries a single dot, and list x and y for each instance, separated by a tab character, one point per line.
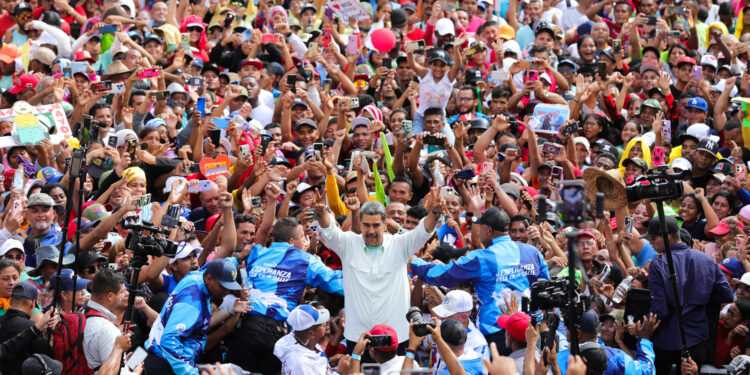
16	323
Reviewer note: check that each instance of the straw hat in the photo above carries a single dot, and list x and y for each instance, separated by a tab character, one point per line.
610	183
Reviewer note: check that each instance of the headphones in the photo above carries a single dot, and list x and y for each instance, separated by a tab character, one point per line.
45	370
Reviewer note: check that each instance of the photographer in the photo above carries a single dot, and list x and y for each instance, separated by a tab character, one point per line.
700	283
451	361
178	337
385	356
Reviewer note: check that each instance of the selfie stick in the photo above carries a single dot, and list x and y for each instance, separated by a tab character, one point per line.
672	275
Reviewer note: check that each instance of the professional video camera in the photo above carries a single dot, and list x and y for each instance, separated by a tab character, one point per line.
143	245
657	184
548	294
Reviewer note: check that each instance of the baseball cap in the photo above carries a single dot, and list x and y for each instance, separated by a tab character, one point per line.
724	167
709	60
444	26
40	199
696	132
184	249
654	228
589	322
96	211
440	55
26	81
473	75
651	103
594	356
708	145
66	281
723	227
25	289
279	160
51	253
456	301
640	163
506	32
384	329
511	189
546	164
582	233
682	164
225	272
9	52
515	324
697	103
305	121
583	141
745	212
306	316
745	279
359	121
9	245
494	218
646	68
732	266
43	55
686	60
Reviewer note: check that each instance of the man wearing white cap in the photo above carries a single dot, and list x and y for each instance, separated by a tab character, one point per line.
184	262
299	351
457	305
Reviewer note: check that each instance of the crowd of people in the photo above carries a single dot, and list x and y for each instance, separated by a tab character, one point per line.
318	187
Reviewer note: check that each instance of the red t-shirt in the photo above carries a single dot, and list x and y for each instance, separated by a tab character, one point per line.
6	22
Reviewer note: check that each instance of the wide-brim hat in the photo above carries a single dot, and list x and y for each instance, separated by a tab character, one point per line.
116	68
610	183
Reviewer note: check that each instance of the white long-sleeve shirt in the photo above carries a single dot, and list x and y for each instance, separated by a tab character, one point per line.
376	284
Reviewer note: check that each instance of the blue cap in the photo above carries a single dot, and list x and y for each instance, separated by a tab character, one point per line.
446	234
155	123
66	283
198	62
697	103
589	322
732	266
135	34
25	289
225	272
95	36
150	36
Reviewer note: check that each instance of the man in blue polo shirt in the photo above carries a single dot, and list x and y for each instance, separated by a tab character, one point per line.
503	268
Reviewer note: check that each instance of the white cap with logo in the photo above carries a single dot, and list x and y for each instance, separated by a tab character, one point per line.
456	301
306	316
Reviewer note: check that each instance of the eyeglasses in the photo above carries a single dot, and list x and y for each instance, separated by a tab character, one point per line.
591	123
587	243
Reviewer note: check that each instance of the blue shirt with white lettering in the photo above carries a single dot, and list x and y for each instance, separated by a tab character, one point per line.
497	272
277	276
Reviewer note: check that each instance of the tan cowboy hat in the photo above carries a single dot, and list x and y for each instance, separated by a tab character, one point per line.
116	68
610	183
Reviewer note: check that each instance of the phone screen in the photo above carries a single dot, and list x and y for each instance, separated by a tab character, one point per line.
572	196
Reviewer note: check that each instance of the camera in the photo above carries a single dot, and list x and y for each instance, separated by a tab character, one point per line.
657	184
143	245
552	293
420	326
571	128
304	74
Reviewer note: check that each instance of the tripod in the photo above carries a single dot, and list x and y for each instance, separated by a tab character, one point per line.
672	276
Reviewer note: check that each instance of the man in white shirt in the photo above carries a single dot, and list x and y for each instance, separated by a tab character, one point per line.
376	284
100	333
457	305
384	353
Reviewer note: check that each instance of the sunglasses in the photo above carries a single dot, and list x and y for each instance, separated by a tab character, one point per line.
23	17
15	257
194	28
360	84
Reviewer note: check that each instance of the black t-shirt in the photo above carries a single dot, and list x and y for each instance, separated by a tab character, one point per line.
725	152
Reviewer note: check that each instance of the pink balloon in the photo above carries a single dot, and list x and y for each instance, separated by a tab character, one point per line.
383	39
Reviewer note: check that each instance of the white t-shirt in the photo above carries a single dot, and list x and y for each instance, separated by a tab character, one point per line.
263	114
434	94
572	17
553	15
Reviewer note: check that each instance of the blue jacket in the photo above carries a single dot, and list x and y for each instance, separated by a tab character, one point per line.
179	335
277	276
699	282
504	268
618	362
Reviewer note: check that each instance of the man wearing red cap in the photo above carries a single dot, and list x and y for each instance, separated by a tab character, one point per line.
515	325
386	356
